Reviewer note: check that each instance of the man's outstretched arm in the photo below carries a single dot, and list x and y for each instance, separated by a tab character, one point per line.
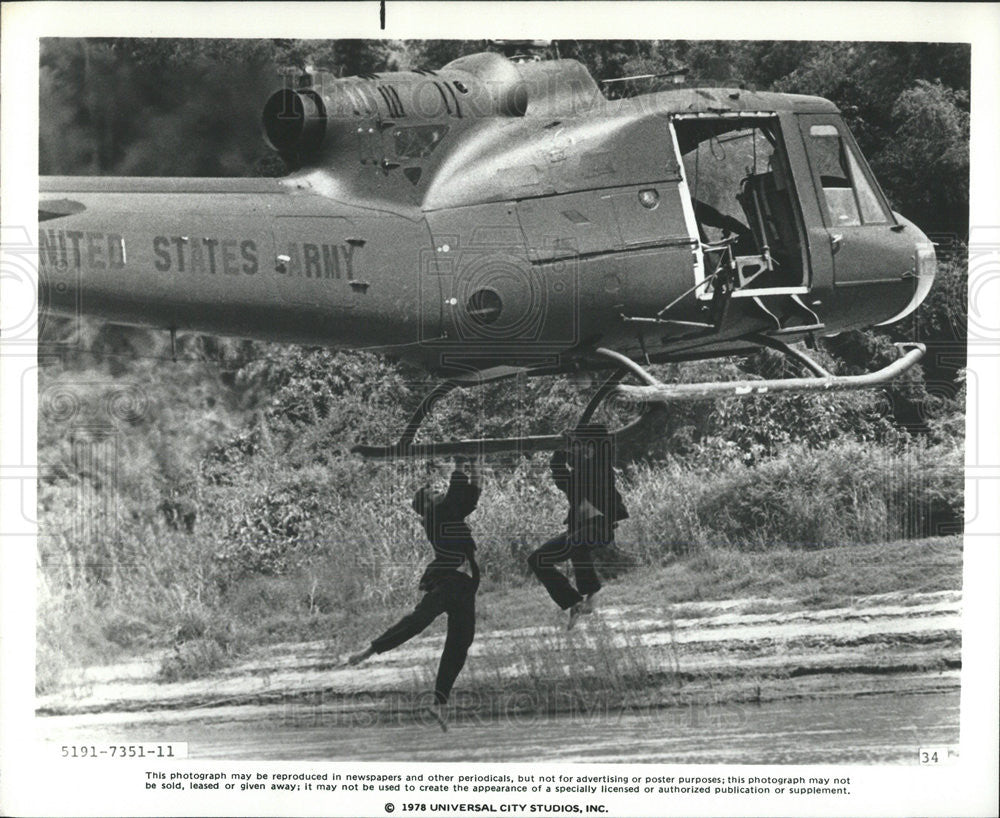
476	473
464	489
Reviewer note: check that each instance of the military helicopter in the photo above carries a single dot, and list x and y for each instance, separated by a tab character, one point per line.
501	217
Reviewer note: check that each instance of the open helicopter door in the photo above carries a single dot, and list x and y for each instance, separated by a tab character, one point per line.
745	211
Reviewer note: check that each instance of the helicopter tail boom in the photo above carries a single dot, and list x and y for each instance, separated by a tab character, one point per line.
256	258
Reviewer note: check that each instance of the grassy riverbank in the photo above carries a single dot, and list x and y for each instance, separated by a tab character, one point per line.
273	610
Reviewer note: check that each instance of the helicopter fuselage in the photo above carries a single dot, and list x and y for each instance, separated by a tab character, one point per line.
493	214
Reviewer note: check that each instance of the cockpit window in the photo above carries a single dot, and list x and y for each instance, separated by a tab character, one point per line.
849	197
871	207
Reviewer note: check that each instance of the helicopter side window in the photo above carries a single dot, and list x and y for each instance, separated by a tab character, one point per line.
849	198
419	141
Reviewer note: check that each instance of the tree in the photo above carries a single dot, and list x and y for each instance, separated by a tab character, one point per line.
926	161
152	107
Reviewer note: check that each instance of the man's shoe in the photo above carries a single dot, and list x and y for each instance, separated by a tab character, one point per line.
359	657
574	614
578	610
440	715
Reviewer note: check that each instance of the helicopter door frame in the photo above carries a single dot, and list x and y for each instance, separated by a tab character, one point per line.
690	222
703	292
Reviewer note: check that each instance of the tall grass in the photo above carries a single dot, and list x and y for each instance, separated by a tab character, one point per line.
852	493
591	669
330	552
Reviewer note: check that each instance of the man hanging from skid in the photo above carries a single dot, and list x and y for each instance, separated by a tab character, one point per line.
584	473
449	582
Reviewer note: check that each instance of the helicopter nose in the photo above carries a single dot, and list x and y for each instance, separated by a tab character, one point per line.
923	271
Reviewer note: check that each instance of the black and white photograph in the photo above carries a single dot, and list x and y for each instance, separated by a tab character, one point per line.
488	415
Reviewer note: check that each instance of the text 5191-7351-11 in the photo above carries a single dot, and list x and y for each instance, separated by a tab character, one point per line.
171	750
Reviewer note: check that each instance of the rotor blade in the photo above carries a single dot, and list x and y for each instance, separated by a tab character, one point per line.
56	208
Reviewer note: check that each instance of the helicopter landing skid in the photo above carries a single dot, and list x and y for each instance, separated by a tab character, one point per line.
406	448
821	381
653	393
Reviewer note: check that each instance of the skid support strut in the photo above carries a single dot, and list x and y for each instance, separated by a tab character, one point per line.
405	447
402	446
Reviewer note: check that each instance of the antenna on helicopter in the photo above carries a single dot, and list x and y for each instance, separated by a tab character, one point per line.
676	76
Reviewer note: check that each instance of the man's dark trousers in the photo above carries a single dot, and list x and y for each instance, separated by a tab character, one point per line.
453	593
575	546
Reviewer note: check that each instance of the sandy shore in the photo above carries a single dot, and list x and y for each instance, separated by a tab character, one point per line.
624	656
